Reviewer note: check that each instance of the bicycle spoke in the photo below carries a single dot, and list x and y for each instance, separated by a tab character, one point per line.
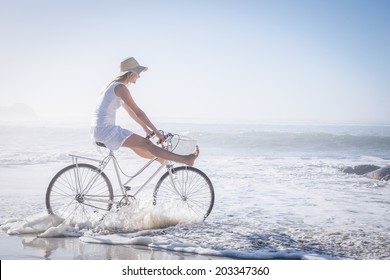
79	193
187	188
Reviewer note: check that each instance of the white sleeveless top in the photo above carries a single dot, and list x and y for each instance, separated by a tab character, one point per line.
103	128
106	106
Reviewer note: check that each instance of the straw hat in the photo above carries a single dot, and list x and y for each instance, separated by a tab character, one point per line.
131	65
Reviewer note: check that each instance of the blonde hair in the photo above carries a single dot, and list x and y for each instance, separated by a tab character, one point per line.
117	79
121	77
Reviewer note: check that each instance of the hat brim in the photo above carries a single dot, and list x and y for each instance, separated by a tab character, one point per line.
138	70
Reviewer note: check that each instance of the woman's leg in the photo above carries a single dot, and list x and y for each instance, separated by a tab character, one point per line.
137	142
146	154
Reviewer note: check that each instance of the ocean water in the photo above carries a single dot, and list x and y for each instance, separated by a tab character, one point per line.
279	191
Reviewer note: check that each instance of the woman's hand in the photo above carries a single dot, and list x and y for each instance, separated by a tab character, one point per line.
148	132
161	138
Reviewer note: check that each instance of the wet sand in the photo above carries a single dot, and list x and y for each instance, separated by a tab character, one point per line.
30	247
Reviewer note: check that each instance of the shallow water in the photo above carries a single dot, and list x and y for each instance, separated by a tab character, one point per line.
288	201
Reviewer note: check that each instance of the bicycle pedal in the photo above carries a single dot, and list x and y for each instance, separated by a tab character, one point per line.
127	188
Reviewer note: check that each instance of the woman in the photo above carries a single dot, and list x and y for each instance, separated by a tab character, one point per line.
113	136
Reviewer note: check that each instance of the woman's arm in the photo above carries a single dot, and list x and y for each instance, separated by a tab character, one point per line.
138	120
139	115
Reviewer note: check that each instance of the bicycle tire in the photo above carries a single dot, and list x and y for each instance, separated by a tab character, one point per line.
79	193
194	197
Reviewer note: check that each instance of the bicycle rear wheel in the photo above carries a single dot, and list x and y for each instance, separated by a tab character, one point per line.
79	193
186	191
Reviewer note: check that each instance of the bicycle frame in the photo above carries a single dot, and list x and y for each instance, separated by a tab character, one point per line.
102	164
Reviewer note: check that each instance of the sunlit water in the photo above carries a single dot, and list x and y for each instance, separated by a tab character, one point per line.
279	193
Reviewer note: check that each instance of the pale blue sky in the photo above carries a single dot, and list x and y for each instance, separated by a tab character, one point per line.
257	61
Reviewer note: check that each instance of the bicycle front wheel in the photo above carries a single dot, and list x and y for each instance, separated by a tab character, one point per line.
79	193
186	191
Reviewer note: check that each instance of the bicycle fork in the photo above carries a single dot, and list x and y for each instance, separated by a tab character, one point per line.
174	184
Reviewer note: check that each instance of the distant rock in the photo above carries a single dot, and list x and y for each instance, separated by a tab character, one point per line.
360	169
17	111
370	171
380	174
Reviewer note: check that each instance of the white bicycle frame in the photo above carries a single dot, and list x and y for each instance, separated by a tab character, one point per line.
124	189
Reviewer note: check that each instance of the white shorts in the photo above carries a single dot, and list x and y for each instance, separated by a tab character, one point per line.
113	136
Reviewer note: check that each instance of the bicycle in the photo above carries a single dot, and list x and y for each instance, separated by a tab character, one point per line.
84	190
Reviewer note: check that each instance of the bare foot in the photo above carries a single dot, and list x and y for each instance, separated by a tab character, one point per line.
193	157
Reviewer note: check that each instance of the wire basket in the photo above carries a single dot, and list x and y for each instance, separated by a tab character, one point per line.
182	145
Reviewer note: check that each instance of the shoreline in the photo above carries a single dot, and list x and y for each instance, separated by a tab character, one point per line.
31	247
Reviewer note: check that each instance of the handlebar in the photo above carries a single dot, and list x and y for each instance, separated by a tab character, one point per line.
163	133
150	136
176	143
